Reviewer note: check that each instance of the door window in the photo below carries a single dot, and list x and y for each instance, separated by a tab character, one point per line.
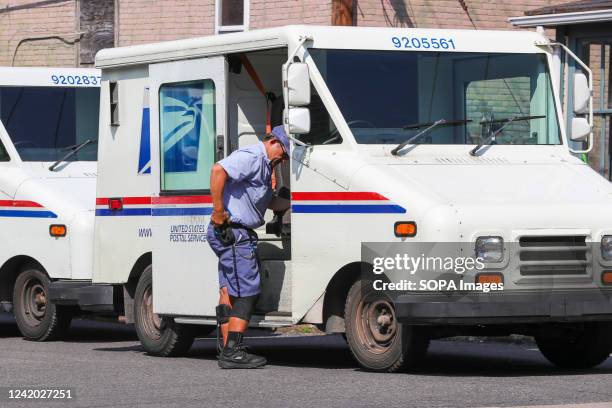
187	132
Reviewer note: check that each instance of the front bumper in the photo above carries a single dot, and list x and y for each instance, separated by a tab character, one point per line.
90	297
504	308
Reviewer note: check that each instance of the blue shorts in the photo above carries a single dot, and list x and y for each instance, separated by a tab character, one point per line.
238	263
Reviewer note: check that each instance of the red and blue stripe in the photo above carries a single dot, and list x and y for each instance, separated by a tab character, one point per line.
343	202
302	202
157	206
24	209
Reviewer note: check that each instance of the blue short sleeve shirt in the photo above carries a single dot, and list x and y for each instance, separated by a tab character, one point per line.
248	191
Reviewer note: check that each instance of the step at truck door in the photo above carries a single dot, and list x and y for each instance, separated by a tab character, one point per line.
188	114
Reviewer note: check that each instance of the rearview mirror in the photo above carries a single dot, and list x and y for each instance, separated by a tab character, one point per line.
580	129
298	120
296	84
582	93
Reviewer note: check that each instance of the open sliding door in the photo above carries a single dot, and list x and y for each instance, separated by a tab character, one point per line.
188	120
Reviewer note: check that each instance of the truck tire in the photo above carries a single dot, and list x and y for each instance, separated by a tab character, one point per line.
37	318
376	339
160	336
578	349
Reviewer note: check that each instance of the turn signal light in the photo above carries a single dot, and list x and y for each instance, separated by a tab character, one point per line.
490	278
405	229
606	278
57	230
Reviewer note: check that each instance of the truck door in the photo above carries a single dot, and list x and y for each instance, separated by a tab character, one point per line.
188	120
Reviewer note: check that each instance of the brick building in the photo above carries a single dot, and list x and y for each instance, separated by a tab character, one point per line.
69	32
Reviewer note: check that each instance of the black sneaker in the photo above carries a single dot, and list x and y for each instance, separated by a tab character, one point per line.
235	355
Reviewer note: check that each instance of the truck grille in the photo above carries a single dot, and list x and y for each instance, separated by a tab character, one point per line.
554	255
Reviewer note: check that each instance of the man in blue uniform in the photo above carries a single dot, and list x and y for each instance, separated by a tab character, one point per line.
241	189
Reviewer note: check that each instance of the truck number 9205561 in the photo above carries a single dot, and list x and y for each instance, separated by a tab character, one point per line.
423	43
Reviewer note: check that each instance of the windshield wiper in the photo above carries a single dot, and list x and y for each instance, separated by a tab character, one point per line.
73	150
493	134
446	123
430	126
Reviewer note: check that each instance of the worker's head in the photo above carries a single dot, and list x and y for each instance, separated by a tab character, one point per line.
277	145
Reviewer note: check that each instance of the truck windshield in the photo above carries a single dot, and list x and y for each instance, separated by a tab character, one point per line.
386	97
42	122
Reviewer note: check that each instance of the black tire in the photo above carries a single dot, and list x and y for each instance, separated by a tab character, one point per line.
159	336
37	318
376	339
578	348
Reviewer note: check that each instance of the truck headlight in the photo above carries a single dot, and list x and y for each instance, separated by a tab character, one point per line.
490	249
606	247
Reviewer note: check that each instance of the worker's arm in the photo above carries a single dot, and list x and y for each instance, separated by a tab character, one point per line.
218	177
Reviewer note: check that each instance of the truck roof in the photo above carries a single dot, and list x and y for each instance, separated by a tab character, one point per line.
335	37
48	76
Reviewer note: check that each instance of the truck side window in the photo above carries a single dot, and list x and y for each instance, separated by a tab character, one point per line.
187	133
4	157
322	128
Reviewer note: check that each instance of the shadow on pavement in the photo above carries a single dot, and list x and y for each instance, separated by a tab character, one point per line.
87	330
81	330
8	327
301	351
451	358
445	358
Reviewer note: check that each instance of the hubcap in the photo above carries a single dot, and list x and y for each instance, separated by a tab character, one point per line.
377	326
152	323
34	301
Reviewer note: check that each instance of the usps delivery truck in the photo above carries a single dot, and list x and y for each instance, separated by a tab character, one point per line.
399	136
48	134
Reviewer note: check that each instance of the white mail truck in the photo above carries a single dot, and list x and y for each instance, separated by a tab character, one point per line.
399	136
48	134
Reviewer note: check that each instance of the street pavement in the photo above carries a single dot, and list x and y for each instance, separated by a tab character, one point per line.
104	366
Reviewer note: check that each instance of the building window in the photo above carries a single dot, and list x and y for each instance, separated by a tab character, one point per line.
231	16
187	131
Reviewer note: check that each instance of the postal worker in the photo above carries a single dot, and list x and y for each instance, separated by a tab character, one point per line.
241	189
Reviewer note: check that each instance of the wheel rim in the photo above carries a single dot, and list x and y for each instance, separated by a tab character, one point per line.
376	325
151	322
34	300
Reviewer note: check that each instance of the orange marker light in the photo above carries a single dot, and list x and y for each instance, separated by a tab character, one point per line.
490	278
606	278
57	230
405	229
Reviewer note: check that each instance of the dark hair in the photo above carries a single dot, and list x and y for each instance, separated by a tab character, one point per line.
269	136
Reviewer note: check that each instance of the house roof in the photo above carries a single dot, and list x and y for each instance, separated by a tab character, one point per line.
577	12
571	7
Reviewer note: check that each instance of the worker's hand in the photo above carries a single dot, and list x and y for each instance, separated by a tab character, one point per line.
219	217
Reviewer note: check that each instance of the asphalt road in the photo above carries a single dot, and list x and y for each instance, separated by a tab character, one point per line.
105	366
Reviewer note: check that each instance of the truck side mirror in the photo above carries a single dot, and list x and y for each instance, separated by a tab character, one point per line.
298	120
296	90
582	94
581	128
296	84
